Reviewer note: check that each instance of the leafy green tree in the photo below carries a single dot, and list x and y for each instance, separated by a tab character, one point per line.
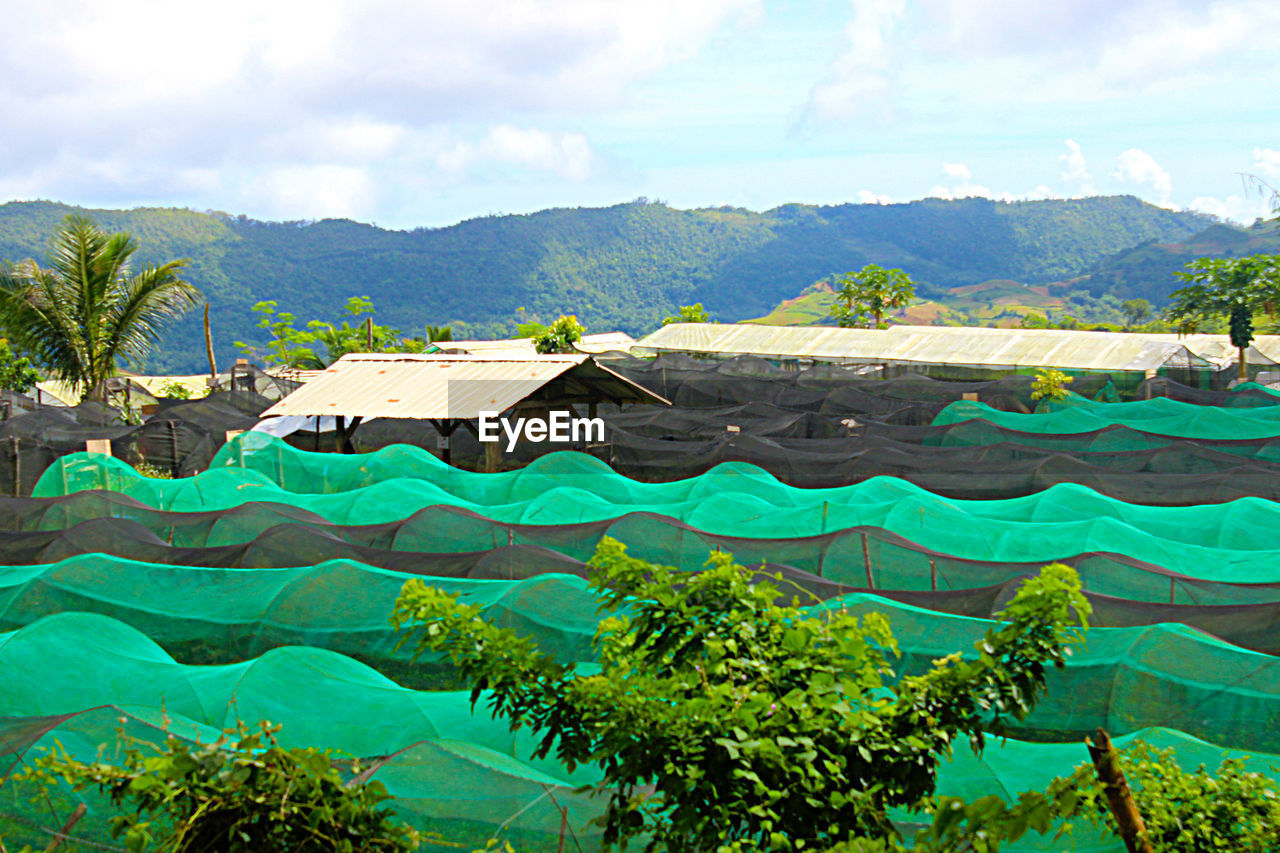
323	343
721	716
694	313
243	793
88	312
1136	311
866	296
16	372
560	336
1234	287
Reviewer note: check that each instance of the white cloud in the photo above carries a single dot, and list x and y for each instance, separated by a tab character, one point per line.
311	192
1074	172
565	154
1266	162
1235	208
964	187
1118	44
1160	44
859	78
868	197
134	101
1137	166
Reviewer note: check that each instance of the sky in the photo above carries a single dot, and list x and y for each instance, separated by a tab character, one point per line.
427	113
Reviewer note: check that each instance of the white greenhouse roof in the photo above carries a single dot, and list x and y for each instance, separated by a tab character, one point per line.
408	385
523	347
960	346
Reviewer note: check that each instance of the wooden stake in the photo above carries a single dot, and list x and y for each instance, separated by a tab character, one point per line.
66	828
368	334
866	562
1107	762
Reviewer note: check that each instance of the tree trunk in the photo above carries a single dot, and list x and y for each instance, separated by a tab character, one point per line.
1244	368
208	344
1107	762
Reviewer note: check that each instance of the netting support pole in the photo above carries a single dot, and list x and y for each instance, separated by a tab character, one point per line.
866	562
1172	591
66	828
17	466
822	554
933	574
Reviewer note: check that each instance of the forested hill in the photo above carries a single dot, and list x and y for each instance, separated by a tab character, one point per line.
620	267
1149	270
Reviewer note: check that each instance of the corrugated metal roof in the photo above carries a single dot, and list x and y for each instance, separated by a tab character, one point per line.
964	346
197	386
606	342
402	385
523	347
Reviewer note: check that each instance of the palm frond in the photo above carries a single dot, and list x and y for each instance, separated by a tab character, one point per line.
147	302
85	313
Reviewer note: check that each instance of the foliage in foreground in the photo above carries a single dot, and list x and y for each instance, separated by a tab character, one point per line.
244	793
723	717
1196	811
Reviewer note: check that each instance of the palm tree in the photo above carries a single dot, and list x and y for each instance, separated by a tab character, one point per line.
87	312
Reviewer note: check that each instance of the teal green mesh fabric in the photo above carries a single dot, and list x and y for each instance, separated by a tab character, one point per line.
452	768
1124	679
307	644
1160	416
1228	542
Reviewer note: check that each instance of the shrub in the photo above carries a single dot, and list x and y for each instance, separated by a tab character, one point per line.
723	717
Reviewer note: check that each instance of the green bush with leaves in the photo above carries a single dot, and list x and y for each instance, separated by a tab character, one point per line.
146	469
244	793
722	717
175	391
560	336
694	313
1050	384
1197	811
16	372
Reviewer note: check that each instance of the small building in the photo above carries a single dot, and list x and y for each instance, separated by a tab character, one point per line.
450	391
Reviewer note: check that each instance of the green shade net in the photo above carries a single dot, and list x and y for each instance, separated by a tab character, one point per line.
1123	680
1159	416
452	771
1227	542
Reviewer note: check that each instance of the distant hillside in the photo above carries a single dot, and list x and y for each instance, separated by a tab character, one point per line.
1148	269
620	267
997	301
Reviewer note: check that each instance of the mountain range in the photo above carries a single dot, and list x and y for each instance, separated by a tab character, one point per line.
628	265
